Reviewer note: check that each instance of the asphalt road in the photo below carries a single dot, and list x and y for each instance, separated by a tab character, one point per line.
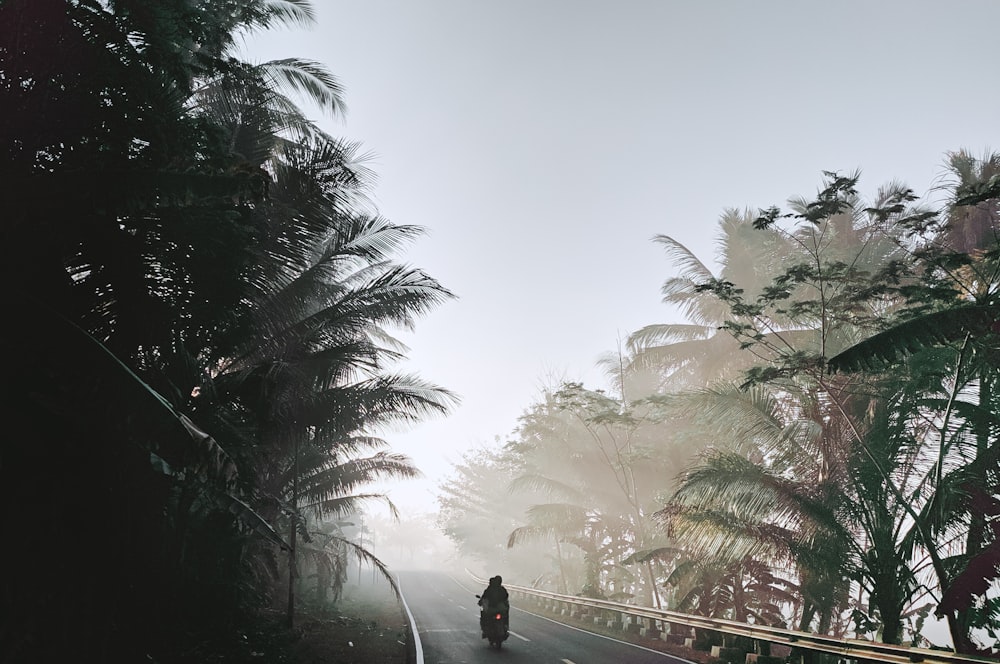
447	618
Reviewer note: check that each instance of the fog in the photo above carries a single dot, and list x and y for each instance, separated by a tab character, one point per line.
544	145
630	340
686	305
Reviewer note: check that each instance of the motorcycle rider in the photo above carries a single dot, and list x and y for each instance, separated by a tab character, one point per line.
494	600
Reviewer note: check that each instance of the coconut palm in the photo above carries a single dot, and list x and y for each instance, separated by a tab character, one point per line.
682	354
107	171
829	291
585	452
945	348
744	590
478	511
147	170
562	523
310	365
769	497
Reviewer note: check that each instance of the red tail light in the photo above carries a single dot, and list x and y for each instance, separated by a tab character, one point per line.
499	616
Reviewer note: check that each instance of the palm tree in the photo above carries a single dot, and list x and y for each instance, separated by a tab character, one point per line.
562	523
310	365
587	454
146	168
746	591
683	354
100	157
834	287
945	349
484	502
771	496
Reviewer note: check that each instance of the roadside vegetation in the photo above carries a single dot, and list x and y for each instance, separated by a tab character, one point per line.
201	302
814	444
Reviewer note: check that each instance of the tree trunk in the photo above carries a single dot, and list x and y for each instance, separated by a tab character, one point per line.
564	587
292	535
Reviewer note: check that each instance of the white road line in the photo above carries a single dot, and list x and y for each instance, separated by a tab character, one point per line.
609	638
567	661
515	608
413	626
523	638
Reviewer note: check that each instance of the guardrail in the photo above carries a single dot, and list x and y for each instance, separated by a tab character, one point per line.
855	649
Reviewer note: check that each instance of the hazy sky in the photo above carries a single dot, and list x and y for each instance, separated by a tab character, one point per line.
543	143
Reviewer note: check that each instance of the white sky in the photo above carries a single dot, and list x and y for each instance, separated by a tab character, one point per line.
542	143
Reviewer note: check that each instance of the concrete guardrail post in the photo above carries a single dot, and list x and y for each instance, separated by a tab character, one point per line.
649	628
617	619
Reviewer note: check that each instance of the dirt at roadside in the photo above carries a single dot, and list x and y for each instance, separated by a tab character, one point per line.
367	636
365	626
368	625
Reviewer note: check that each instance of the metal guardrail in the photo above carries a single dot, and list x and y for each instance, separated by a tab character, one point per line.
847	648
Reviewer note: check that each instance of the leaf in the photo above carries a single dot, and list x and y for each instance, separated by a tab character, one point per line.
309	78
768	217
183	446
982	570
978	192
935	329
160	465
249	516
660	553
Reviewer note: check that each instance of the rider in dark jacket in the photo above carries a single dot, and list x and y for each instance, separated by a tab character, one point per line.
494	599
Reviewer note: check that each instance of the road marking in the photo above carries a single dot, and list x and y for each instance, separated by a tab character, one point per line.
418	647
567	661
523	638
609	638
514	608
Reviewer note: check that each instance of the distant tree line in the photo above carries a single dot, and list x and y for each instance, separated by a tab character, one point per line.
200	303
815	446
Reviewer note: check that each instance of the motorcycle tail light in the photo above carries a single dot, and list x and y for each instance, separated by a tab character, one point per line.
499	616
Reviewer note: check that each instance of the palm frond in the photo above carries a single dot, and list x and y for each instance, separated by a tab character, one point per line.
298	12
690	265
669	333
249	516
661	553
366	556
342	506
547	485
559	516
935	329
524	534
308	78
341	479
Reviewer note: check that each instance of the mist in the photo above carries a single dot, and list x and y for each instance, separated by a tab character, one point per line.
684	305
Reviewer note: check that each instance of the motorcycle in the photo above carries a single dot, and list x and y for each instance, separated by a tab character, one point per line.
493	622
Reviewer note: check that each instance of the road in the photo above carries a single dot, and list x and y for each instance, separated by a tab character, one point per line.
447	618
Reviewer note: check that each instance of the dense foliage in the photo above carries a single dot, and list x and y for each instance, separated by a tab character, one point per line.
815	446
200	313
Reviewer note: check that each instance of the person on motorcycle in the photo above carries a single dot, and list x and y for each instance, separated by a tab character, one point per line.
494	600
